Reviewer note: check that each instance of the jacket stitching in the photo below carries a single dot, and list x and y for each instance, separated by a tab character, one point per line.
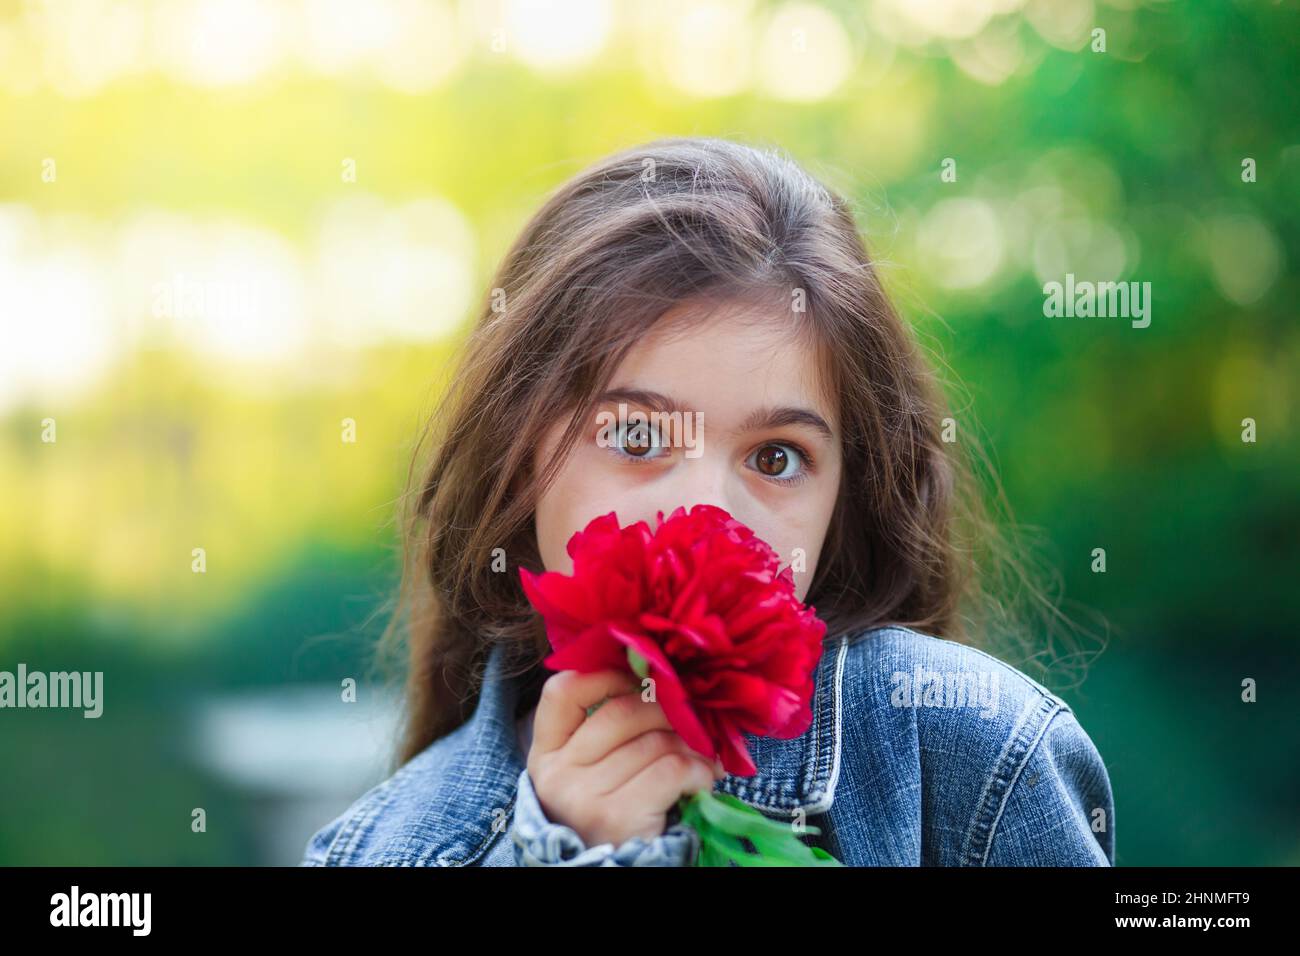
1041	688
1029	752
814	765
1017	750
824	798
442	860
343	847
486	842
774	791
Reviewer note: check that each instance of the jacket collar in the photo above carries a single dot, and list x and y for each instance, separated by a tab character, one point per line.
794	774
472	799
800	773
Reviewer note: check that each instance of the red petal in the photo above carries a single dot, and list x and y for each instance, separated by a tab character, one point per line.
595	649
670	694
735	756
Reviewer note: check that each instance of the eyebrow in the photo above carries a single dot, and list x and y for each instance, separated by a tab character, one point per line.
759	419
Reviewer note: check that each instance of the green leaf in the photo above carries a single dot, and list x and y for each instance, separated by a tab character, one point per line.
733	815
721	820
639	664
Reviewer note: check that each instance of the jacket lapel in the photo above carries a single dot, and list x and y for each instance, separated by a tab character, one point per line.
471	801
799	773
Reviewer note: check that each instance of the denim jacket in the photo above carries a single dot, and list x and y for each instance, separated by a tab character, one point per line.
922	752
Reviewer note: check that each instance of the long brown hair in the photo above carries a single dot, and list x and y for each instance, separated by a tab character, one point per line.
610	251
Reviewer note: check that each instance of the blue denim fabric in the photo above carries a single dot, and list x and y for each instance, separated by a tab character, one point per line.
922	752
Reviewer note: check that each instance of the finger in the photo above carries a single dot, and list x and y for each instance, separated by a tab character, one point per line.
619	720
627	760
564	700
664	781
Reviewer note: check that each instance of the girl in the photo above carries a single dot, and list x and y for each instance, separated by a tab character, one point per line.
722	282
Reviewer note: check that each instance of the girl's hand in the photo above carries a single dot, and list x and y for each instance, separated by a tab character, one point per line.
613	775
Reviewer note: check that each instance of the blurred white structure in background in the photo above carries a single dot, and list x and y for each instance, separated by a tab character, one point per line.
299	755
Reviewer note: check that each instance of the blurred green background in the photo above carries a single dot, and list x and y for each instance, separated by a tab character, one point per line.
226	226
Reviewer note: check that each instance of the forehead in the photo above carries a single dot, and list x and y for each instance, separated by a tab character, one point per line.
731	354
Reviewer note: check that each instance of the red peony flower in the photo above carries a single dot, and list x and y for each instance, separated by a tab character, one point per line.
702	600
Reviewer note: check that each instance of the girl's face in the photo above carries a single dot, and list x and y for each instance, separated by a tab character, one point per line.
754	437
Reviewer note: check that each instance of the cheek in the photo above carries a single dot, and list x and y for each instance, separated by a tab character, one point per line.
800	546
798	531
551	514
550	543
580	491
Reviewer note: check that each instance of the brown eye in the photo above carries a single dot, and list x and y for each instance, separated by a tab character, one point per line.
781	463
772	460
639	441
